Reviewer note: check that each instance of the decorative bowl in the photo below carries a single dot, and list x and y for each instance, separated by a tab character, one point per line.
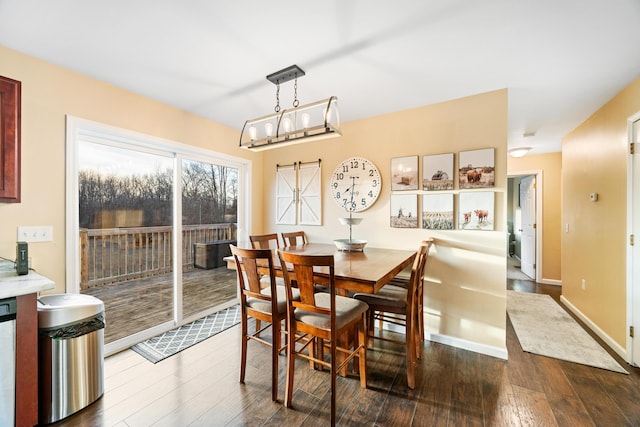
350	221
350	245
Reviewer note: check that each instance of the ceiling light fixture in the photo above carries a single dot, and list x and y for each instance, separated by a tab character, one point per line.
310	122
519	152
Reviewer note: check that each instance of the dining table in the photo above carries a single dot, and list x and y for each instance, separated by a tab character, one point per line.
367	270
362	271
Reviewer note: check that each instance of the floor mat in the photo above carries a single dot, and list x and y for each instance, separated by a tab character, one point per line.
174	341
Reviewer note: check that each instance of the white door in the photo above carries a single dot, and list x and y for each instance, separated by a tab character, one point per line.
635	249
528	230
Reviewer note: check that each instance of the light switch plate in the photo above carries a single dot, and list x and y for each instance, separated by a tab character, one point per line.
42	233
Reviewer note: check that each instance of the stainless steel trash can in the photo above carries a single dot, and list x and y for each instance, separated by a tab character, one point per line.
70	354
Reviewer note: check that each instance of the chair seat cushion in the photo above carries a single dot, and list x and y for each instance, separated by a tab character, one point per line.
389	296
347	309
265	281
265	306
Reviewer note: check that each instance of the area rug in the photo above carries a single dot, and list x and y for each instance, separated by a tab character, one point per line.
544	327
174	341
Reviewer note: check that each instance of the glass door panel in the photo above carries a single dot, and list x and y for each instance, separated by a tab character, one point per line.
125	217
209	222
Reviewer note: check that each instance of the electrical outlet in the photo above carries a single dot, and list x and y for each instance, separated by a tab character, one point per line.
32	234
584	285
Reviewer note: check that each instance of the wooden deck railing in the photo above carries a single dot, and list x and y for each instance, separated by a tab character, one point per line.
121	254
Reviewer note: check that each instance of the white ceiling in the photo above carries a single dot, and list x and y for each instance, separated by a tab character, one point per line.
560	59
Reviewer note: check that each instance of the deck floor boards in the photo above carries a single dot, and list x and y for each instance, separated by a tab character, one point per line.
138	305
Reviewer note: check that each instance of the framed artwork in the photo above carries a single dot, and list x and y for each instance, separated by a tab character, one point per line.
437	172
437	211
476	168
404	210
404	173
286	180
476	210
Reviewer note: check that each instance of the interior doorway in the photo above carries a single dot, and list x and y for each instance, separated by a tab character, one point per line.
524	226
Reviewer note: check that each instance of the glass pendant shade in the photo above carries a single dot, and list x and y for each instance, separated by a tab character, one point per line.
310	122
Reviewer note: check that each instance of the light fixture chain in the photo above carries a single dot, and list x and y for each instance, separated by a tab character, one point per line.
277	97
295	93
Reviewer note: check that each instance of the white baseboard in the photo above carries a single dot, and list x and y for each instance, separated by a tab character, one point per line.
500	353
620	351
551	282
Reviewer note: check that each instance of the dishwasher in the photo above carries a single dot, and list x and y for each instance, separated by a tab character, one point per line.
7	361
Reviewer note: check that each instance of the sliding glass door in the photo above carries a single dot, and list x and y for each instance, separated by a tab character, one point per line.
125	211
209	217
149	224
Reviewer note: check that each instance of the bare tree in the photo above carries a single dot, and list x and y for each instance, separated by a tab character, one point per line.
209	195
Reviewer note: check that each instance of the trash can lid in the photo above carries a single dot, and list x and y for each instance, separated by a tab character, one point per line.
60	309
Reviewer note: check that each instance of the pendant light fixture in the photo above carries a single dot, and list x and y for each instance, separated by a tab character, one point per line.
310	122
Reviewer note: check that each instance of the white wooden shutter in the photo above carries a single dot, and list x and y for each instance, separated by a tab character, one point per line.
309	194
286	194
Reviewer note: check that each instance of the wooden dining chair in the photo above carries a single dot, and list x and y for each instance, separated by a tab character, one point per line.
263	304
403	281
402	305
294	238
265	241
320	318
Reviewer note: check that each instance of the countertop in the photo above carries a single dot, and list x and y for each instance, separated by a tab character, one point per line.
13	285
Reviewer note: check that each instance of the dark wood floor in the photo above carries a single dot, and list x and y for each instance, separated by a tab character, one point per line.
199	387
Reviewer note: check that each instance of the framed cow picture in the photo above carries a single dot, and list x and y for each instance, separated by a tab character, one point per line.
476	210
476	168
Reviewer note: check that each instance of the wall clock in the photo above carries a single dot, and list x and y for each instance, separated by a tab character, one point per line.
356	184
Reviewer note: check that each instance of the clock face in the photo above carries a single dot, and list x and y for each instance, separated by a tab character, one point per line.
356	184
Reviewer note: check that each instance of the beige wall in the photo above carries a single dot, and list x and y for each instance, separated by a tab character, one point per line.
550	164
49	93
465	295
594	159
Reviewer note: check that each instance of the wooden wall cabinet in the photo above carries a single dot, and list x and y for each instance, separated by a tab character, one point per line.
10	105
